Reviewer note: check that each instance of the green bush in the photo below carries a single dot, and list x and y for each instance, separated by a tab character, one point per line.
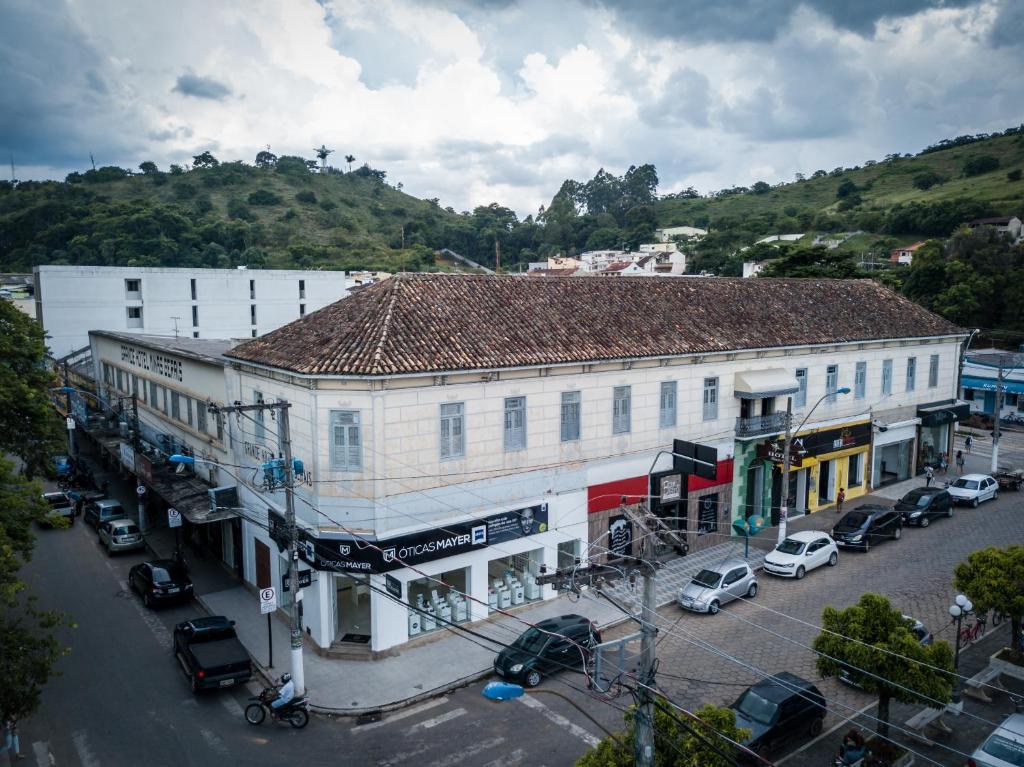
306	197
1013	175
237	209
263	197
184	191
983	163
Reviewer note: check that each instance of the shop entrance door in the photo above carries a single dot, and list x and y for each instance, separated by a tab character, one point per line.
351	609
262	552
825	482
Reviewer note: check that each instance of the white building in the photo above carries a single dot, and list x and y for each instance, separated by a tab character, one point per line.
659	247
194	303
667	234
753	268
472	429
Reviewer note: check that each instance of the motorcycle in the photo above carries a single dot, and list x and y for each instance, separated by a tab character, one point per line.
295	711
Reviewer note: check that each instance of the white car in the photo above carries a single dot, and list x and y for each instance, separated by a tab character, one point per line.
1004	747
973	489
801	552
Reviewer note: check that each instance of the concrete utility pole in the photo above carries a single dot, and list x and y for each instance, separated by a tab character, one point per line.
284	437
644	721
786	461
998	414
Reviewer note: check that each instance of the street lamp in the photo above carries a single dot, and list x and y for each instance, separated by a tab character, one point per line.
502	691
784	495
961	606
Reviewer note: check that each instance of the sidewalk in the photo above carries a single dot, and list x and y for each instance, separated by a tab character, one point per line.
353	687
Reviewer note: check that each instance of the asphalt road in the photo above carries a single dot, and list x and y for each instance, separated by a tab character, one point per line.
121	699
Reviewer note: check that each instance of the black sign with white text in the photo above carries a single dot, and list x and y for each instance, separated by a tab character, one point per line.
343	553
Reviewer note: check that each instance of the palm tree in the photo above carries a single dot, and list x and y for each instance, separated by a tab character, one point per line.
350	158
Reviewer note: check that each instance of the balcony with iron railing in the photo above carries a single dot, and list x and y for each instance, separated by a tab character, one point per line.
760	425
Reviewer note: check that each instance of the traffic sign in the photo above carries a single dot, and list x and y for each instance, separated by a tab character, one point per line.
140	490
268	600
173	517
71	423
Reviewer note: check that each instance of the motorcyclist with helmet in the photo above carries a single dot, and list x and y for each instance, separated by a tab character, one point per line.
285	694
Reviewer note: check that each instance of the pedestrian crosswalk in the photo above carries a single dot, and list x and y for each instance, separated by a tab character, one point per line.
36	754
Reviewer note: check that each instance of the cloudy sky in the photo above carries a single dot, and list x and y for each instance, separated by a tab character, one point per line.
475	101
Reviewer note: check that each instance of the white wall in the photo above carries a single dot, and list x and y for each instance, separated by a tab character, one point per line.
71	300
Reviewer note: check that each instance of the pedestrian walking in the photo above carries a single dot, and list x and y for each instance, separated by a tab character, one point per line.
840	497
968	443
929	474
11	740
943	464
959	461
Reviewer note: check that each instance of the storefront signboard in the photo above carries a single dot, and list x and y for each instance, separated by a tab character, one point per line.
393	585
707	521
817	443
620	536
127	455
348	554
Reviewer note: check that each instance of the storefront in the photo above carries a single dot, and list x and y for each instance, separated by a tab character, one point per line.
936	430
893	452
387	592
822	461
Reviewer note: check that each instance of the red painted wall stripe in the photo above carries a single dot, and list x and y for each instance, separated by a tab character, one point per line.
608	495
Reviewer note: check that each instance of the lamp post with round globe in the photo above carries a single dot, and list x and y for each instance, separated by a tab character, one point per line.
961	606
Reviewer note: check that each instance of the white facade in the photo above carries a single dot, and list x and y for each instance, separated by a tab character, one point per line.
658	247
399	483
753	268
666	234
192	303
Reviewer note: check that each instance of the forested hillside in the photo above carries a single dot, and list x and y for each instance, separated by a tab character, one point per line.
287	212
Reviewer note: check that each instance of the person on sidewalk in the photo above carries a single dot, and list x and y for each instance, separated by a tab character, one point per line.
840	497
968	444
11	739
852	750
943	464
929	475
959	461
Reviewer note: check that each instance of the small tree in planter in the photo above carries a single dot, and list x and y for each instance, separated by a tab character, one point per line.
858	638
994	579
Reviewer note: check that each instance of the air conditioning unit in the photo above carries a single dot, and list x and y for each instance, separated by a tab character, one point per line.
223	498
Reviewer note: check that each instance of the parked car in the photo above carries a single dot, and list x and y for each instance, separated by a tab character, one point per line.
924	637
973	489
60	508
867	525
160	581
210	654
103	510
922	503
121	535
801	552
552	645
1004	747
708	590
777	709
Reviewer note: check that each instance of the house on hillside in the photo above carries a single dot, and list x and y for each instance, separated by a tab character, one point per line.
1010	225
621	269
905	255
667	234
753	268
658	247
779	238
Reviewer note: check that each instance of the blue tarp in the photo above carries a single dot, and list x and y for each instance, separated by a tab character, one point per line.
989	384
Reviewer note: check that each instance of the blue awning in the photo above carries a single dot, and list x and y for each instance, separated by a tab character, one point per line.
989	384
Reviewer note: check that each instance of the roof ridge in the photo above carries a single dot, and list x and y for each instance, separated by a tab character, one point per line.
378	353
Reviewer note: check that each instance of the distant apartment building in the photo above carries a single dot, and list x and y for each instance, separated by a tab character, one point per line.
668	234
193	303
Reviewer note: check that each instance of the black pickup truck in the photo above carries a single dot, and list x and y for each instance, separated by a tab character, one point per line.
210	654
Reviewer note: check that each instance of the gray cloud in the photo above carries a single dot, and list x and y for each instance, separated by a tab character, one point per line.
758	20
201	87
1008	25
685	100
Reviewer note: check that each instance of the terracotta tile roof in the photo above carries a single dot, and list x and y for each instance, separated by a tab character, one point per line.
423	323
617	266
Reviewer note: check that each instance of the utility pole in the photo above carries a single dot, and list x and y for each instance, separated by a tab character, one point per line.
284	437
786	462
70	418
497	256
644	721
998	414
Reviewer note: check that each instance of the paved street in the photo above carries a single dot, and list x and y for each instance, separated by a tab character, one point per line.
121	699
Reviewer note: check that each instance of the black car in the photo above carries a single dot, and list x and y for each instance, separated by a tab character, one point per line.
160	581
552	645
867	525
922	503
778	708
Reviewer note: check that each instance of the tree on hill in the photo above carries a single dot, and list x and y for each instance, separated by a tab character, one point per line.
266	159
798	261
205	160
993	578
874	642
148	167
350	158
975	166
676	744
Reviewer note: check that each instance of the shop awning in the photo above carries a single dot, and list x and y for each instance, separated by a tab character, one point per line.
755	384
190	496
989	384
943	413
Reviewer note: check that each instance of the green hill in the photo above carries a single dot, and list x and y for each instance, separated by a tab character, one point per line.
284	214
280	216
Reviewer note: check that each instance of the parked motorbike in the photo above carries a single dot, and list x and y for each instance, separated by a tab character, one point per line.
295	711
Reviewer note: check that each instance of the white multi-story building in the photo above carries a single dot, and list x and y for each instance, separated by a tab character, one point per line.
472	429
194	303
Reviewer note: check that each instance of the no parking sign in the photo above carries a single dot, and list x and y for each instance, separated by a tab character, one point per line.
268	600
173	517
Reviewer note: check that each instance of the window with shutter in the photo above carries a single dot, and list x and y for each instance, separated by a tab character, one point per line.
346	443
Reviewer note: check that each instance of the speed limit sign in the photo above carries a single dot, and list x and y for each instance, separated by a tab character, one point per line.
268	600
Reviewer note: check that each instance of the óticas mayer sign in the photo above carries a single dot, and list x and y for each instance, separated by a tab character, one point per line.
343	553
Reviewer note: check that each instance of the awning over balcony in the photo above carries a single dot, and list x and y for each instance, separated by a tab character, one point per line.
755	384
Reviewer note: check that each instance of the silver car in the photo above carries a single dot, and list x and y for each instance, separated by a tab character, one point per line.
708	590
121	535
1004	747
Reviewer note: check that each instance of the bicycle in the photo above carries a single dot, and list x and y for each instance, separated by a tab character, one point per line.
970	634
